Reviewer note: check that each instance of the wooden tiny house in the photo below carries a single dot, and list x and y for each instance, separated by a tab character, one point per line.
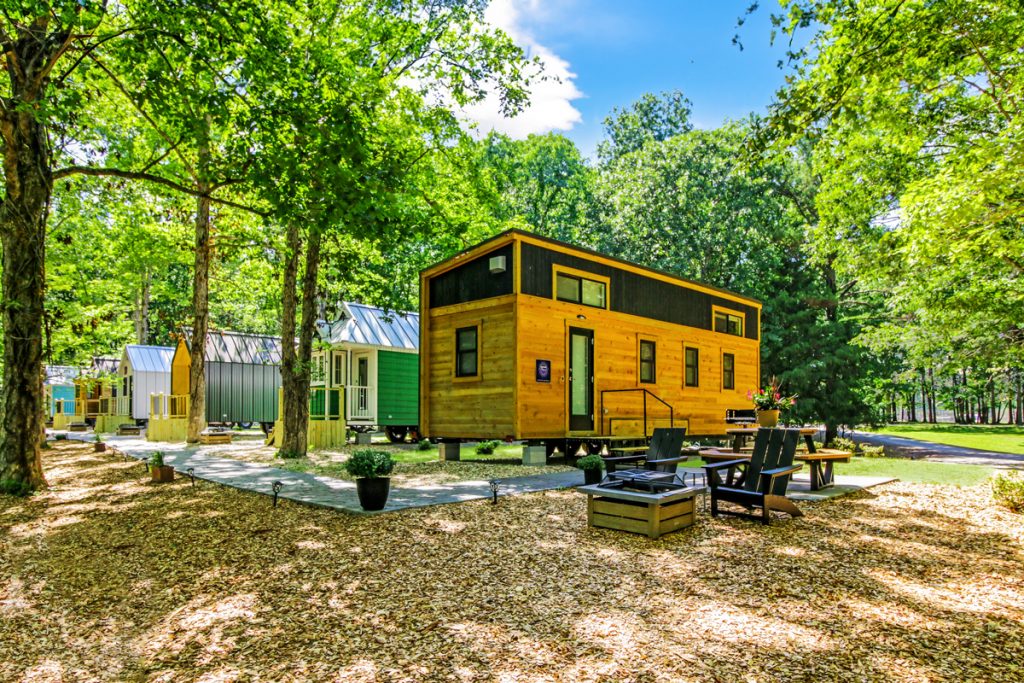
524	337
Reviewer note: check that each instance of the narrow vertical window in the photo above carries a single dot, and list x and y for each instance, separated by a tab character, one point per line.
728	371
466	352
692	361
648	353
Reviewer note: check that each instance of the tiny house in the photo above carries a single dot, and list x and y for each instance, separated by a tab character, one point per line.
99	400
59	391
524	337
373	355
145	370
243	374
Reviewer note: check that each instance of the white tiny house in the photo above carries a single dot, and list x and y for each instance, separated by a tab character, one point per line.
145	370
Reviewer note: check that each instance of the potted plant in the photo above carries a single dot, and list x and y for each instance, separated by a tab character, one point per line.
158	471
371	468
591	466
770	402
98	446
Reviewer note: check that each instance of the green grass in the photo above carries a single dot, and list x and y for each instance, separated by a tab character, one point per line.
916	471
1001	438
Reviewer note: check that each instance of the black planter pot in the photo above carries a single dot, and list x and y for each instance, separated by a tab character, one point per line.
592	476
373	492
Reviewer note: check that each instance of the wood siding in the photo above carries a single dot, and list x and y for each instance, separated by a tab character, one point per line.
469	407
542	328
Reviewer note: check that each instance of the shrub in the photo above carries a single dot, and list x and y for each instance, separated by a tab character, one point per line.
590	462
424	445
487	447
60	437
369	463
858	448
1008	490
157	459
12	487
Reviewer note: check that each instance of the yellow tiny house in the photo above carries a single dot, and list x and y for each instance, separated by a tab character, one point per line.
523	337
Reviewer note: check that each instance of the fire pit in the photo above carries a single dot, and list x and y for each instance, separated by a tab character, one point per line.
641	505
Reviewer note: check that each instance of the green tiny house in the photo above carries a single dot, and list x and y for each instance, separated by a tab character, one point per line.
374	355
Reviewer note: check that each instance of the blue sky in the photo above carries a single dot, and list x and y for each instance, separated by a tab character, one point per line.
608	53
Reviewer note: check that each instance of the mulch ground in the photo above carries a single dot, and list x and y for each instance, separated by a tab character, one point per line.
106	577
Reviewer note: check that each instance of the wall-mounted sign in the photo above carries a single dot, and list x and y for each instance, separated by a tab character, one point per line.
543	371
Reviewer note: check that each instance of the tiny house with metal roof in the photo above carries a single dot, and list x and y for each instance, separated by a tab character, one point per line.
59	391
145	370
243	374
524	337
374	354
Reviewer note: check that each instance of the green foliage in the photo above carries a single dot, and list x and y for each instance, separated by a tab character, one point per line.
852	446
487	447
652	118
590	462
424	445
157	459
369	463
1008	490
289	455
17	488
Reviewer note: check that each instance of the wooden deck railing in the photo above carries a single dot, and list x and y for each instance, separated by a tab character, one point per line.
168	406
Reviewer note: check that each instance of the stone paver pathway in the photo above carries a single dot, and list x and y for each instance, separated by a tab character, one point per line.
311	489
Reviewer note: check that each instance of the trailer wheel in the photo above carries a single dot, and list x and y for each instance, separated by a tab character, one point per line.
396	434
245	425
266	427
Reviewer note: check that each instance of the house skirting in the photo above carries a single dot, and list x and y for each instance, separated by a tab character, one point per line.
167	429
319	433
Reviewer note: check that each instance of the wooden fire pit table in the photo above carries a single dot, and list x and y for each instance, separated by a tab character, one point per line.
651	507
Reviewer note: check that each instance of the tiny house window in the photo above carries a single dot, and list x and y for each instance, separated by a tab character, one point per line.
648	355
339	369
692	362
728	323
580	290
316	373
466	342
728	371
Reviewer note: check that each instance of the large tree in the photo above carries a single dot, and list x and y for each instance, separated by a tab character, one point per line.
353	130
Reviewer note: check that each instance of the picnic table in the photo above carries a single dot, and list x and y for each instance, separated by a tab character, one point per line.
821	464
741	434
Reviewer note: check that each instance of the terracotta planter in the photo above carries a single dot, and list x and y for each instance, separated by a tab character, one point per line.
768	418
161	475
373	492
99	447
592	476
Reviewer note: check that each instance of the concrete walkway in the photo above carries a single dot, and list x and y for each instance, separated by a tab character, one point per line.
311	489
937	452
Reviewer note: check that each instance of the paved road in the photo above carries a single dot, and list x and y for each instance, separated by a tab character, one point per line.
303	487
938	452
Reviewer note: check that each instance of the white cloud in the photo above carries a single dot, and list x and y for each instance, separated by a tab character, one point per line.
551	98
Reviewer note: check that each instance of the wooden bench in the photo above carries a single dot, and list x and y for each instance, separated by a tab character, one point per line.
652	513
129	430
78	427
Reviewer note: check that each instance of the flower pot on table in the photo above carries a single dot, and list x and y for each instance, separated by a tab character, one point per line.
768	418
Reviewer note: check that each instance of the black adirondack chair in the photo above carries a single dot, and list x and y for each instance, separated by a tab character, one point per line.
759	483
663	453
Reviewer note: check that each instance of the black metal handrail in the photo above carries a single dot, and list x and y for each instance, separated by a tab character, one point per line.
646	393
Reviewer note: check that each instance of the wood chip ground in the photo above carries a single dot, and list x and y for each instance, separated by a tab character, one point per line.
105	577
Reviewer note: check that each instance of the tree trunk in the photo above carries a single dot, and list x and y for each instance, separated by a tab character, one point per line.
200	295
307	328
142	310
1020	397
28	183
292	393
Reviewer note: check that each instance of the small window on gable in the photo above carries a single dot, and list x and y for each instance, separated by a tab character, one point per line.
692	362
581	290
728	323
728	371
466	357
648	361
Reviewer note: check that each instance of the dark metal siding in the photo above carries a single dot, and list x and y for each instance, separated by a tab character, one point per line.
241	392
472	281
632	293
